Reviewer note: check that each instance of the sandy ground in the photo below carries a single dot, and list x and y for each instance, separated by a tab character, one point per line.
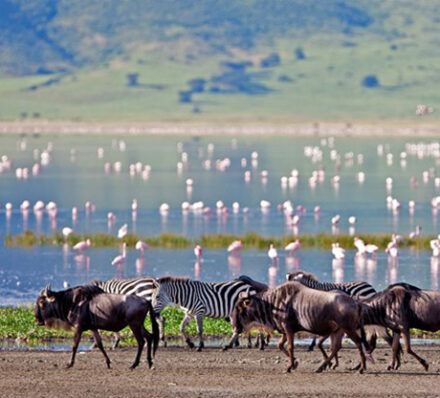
180	372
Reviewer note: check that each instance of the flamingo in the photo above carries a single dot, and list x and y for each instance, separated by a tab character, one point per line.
119	260
338	251
142	246
371	249
235	246
123	231
198	251
435	246
416	233
82	245
273	254
292	247
66	231
359	245
392	248
336	219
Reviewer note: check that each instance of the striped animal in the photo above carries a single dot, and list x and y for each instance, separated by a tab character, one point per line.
142	287
199	299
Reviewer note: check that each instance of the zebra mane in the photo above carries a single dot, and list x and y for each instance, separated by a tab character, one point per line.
166	279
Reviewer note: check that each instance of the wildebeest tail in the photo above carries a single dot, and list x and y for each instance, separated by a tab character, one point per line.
155	329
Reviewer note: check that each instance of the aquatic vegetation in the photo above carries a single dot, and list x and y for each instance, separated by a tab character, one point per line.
214	241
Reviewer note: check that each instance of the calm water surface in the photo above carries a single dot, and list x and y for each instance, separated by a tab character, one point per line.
75	174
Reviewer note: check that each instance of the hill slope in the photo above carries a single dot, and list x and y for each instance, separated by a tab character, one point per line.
209	60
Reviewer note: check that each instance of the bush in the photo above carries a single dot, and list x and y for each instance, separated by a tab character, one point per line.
370	81
270	61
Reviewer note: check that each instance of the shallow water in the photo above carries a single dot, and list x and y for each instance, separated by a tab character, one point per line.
75	174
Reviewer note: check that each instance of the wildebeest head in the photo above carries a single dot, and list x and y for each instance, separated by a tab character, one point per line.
46	306
250	312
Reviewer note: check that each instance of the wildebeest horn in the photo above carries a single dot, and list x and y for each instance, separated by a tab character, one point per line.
45	291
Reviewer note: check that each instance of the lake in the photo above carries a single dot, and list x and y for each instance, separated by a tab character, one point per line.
74	170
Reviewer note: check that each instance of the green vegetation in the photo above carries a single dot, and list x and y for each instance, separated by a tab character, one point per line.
19	323
236	61
250	240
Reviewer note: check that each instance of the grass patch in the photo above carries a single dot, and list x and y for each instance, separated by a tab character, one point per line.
214	241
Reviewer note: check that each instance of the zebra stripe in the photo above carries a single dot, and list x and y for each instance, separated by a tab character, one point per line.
359	289
142	287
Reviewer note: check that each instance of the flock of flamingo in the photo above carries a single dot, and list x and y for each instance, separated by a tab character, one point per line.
293	214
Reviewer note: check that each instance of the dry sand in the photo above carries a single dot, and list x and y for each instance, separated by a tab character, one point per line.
180	372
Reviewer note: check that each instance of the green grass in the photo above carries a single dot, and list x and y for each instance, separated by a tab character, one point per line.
19	323
220	241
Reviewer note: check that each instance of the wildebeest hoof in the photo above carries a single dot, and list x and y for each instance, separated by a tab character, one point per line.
199	349
69	365
357	367
425	365
320	369
361	370
190	344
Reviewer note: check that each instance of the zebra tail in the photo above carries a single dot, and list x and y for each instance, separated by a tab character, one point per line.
155	329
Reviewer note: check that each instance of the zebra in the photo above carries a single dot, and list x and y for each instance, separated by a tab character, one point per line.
198	299
142	287
359	289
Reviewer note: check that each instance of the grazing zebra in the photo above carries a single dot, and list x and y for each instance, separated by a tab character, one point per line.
199	299
359	290
142	287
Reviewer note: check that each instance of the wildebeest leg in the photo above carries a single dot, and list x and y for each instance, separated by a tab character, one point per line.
281	343
395	346
199	320
232	341
293	363
312	344
408	349
187	319
136	328
358	341
324	354
76	340
149	337
161	322
116	340
98	342
336	344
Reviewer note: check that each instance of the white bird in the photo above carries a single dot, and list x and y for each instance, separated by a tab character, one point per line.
198	251
338	251
82	245
416	233
336	219
392	250
134	205
435	246
371	249
119	260
272	253
292	247
352	220
142	246
66	231
163	208
295	219
235	246
123	231
359	245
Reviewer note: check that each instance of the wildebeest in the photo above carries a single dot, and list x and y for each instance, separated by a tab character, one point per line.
89	308
358	289
293	307
400	307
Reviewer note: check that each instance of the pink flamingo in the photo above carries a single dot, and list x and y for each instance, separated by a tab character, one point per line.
198	251
119	260
142	246
235	246
292	247
82	245
273	254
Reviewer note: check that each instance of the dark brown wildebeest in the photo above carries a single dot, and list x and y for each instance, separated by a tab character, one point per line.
401	307
359	290
293	307
89	308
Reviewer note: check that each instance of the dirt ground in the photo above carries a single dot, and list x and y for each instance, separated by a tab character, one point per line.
179	372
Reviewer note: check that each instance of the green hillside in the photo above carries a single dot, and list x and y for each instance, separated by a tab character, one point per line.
218	61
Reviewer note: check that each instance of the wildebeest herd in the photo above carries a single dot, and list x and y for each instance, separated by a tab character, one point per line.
302	303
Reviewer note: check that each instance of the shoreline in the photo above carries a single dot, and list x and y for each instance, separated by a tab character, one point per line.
339	129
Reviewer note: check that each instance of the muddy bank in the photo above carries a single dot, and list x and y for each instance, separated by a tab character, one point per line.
180	372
